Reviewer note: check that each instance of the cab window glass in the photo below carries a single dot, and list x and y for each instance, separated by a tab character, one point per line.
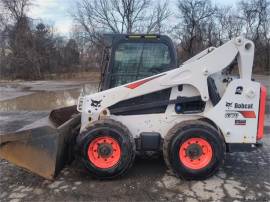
135	61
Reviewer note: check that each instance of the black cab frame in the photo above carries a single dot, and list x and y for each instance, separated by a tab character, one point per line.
127	58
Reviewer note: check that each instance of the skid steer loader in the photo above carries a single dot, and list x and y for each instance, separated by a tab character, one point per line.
192	113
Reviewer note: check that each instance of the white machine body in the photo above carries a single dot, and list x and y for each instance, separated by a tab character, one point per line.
235	115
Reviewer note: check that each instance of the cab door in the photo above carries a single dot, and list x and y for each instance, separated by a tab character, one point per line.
136	58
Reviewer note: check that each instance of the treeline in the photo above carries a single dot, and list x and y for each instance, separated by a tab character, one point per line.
30	49
202	24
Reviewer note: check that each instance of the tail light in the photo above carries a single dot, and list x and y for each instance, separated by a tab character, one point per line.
261	113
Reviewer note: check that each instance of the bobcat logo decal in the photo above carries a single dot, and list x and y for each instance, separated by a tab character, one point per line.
229	105
96	103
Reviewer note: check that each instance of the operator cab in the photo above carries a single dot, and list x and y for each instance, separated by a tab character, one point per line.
128	58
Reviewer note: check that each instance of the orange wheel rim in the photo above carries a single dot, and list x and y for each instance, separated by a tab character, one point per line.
104	152
195	153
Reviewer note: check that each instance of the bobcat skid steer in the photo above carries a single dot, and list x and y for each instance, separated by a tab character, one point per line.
191	113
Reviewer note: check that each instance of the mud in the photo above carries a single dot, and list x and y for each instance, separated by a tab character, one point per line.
245	176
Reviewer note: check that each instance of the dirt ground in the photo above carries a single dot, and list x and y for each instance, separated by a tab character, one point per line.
245	176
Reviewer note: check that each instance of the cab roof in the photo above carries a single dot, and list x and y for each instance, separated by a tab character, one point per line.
111	39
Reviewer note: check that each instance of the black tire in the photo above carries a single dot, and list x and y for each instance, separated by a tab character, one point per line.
183	132
118	132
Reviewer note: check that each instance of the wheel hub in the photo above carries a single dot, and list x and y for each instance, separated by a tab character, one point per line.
105	150
194	151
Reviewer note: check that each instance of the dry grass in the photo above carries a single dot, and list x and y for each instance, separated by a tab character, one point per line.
90	75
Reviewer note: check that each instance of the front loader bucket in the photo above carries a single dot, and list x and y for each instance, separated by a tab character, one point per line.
41	147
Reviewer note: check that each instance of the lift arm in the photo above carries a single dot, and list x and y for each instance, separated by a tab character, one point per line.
194	72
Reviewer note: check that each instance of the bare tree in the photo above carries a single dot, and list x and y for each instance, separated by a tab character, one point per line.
4	21
194	17
12	14
124	16
229	24
16	8
30	45
158	18
110	15
256	16
2	24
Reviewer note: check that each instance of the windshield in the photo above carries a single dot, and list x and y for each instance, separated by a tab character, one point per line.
135	61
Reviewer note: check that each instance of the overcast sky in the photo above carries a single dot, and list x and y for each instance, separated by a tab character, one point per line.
56	12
